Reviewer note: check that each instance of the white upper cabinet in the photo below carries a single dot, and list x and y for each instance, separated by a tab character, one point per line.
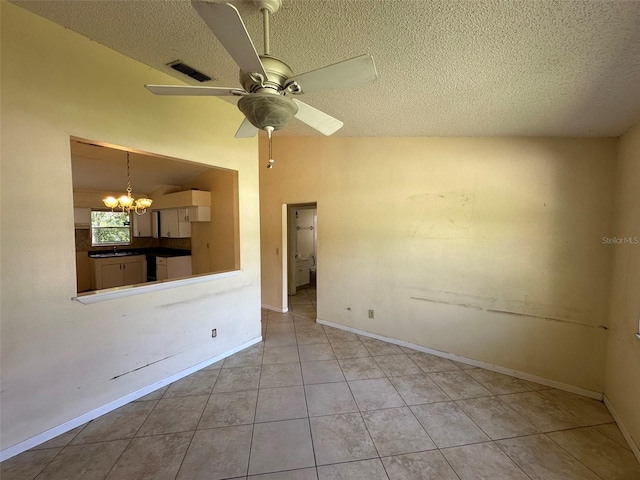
141	224
174	223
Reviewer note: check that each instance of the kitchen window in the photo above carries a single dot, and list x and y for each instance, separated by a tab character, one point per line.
110	228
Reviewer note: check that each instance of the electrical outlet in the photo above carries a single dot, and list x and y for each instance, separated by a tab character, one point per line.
370	313
214	333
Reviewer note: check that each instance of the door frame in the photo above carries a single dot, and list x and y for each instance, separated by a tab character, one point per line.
289	247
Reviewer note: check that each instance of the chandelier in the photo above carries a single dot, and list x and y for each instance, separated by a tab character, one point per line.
126	202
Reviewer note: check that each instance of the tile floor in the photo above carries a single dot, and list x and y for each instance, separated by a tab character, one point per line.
313	402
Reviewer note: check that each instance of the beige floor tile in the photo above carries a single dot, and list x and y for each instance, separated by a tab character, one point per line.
589	410
360	368
323	371
158	457
119	424
217	453
301	474
497	383
87	462
61	440
601	454
284	403
545	415
431	363
397	365
311	338
396	431
350	350
301	299
463	366
278	446
280	339
483	461
273	355
418	389
281	375
304	309
174	415
249	357
419	466
360	470
612	431
542	459
155	395
341	438
336	335
198	383
229	409
448	425
27	465
329	399
236	379
495	418
458	385
375	393
314	352
377	347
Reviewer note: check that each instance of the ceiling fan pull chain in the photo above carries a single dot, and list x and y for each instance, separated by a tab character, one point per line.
269	131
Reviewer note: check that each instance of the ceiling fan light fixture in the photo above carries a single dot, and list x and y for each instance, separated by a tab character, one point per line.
267	110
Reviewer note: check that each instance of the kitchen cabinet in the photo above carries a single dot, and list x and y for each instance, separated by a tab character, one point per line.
110	272
141	224
174	223
82	217
194	214
199	214
173	267
186	198
302	272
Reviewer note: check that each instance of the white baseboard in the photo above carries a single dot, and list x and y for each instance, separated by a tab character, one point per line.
93	414
275	309
487	366
625	433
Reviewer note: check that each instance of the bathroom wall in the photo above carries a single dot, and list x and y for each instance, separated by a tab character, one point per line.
306	234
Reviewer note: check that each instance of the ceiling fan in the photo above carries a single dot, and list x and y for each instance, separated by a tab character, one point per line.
267	82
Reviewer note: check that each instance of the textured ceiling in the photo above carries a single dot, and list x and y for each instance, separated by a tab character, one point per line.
447	68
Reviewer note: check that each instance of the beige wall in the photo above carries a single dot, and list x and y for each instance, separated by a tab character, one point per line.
486	248
215	244
622	374
60	358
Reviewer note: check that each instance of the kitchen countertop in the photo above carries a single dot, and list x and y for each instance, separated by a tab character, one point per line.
157	252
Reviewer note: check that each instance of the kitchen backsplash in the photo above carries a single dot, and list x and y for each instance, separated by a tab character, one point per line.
83	242
181	243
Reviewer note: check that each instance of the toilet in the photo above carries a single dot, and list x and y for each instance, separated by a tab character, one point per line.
312	269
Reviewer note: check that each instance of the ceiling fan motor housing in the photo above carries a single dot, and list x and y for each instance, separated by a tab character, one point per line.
278	73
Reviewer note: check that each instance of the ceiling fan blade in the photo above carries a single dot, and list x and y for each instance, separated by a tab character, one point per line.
246	130
226	24
348	73
195	90
325	124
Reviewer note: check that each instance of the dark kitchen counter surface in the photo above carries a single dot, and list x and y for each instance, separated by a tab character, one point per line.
157	252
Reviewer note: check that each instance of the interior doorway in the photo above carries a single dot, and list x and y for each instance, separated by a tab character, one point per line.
302	246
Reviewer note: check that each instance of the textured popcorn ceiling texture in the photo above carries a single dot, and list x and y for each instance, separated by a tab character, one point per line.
447	68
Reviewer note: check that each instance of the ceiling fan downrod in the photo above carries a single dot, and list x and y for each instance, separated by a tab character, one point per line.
267	7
